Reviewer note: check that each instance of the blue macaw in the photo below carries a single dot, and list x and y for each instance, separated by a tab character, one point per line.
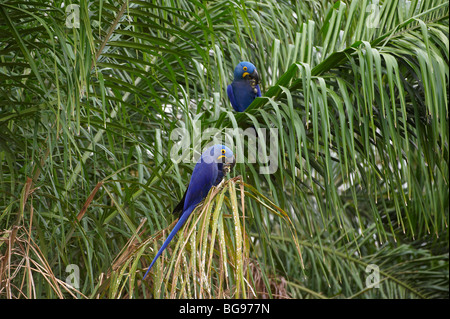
245	86
213	165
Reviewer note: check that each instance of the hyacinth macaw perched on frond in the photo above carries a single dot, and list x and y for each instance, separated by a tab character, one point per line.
245	86
213	165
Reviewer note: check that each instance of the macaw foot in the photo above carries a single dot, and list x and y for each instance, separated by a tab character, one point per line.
254	83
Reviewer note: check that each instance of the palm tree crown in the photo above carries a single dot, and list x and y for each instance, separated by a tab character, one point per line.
96	99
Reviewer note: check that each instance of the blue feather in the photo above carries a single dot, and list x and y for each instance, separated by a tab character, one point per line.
243	94
231	98
172	234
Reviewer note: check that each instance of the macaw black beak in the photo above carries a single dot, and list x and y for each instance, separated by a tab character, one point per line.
255	76
228	164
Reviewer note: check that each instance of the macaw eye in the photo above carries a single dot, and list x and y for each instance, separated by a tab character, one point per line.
223	151
244	68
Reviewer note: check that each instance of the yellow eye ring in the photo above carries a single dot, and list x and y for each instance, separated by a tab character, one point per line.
223	151
244	68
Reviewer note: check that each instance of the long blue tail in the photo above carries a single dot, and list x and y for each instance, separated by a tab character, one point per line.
172	234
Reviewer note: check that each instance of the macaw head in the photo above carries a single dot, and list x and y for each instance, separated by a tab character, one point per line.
246	70
221	155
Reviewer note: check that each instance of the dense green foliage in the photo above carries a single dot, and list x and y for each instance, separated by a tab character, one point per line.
357	91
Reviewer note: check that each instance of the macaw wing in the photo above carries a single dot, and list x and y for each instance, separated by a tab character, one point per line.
179	208
199	174
203	177
231	97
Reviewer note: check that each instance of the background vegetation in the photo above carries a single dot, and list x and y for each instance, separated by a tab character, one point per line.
358	91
